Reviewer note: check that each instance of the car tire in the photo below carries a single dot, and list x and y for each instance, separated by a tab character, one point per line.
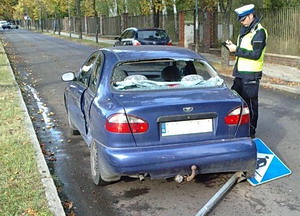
95	166
72	129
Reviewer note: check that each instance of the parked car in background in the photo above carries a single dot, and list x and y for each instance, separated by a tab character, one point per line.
2	22
136	37
10	25
157	111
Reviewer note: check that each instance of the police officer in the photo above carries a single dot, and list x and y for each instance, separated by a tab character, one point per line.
249	52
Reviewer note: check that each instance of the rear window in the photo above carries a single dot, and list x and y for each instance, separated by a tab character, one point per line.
164	74
152	35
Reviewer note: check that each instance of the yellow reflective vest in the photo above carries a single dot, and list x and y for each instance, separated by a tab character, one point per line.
249	65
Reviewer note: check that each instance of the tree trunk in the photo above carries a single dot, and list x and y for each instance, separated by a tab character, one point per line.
226	10
175	17
54	24
78	14
97	20
155	16
69	18
226	35
58	22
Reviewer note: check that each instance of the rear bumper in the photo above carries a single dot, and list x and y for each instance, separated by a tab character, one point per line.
170	160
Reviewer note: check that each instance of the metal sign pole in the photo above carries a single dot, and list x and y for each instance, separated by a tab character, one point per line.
220	194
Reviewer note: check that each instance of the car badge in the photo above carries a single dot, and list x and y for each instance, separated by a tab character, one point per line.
188	109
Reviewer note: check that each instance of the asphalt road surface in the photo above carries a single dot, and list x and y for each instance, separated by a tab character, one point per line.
39	60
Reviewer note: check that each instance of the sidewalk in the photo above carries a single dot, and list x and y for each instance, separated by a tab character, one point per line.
275	76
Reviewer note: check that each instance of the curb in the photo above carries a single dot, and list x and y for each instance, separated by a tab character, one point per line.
53	199
282	88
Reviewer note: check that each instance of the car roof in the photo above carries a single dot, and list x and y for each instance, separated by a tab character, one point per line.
145	29
132	53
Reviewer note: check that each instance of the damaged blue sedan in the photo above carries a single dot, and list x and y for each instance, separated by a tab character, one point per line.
157	111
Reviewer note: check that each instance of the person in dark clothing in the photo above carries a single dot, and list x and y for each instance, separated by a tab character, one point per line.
249	52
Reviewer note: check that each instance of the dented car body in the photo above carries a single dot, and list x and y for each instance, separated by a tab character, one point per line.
157	110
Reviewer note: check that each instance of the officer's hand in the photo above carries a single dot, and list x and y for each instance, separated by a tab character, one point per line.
231	47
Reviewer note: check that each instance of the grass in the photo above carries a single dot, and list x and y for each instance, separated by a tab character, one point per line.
21	190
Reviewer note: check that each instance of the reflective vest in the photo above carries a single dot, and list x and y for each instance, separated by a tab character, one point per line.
249	65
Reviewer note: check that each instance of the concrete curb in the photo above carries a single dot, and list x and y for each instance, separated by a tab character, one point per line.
282	88
53	199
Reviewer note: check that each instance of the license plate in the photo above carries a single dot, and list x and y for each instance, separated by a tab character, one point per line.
186	127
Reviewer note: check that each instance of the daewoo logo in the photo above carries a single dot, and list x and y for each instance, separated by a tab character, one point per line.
188	109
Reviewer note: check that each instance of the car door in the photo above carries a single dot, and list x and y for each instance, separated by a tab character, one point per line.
91	91
77	90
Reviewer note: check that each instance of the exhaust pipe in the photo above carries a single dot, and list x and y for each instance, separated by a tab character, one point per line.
141	177
179	178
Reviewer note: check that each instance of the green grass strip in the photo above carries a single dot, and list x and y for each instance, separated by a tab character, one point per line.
21	190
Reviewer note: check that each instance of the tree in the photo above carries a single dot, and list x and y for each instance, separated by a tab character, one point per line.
225	8
97	19
281	3
78	15
7	9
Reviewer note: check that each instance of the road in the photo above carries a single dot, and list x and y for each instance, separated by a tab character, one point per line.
39	60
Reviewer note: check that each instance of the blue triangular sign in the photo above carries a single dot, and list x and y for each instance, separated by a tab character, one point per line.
269	167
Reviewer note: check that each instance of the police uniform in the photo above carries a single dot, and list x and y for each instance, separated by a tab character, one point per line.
250	50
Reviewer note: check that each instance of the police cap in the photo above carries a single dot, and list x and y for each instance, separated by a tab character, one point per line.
244	11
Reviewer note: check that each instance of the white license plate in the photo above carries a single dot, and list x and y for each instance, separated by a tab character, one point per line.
186	127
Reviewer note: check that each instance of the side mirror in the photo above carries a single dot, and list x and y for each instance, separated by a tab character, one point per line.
67	77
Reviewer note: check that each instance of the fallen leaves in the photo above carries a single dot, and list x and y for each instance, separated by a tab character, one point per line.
30	212
68	204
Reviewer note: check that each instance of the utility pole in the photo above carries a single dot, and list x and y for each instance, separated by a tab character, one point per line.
196	36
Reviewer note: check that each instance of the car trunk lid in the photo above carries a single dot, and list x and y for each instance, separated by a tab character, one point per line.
181	116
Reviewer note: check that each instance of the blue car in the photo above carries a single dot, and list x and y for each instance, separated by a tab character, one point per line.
157	111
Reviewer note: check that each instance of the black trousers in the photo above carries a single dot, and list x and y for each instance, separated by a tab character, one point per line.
248	90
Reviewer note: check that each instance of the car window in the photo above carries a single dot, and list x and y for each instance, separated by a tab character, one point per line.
152	34
124	34
95	75
164	74
86	69
131	34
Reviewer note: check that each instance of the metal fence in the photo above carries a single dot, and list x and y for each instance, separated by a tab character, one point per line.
283	26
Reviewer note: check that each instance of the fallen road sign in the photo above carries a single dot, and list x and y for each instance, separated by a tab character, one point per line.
269	167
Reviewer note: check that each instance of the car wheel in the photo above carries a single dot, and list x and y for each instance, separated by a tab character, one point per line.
72	129
95	166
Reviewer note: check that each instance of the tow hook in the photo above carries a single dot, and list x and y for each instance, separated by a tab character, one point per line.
192	176
179	178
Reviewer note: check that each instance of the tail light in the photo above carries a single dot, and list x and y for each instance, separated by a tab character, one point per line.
238	116
136	43
170	43
120	123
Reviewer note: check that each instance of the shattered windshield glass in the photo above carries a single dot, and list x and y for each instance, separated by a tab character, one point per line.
164	74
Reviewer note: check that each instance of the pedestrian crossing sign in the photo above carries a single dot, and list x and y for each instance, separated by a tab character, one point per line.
269	167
